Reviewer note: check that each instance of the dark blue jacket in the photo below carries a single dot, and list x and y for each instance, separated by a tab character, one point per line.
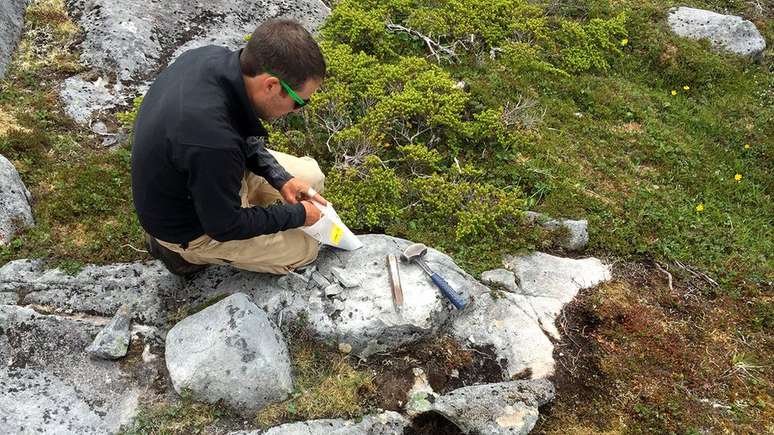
196	133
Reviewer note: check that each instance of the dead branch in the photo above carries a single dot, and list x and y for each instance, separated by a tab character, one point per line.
127	245
669	275
697	274
437	50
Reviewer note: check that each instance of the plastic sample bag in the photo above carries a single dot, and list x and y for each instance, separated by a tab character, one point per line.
330	230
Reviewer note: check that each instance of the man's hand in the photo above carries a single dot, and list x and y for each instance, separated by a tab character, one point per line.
313	213
295	190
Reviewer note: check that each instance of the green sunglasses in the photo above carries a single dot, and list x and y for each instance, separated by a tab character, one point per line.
299	102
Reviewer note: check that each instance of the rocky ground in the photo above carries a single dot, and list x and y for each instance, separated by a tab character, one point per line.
542	340
217	355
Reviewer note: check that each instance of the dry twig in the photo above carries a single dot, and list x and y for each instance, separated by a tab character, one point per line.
669	275
437	50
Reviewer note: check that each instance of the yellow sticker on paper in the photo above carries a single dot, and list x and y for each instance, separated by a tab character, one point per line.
336	233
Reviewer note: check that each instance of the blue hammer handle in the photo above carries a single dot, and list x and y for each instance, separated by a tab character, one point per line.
447	291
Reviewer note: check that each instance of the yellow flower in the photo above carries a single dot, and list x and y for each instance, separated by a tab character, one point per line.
747	146
624	41
674	92
700	208
686	87
738	177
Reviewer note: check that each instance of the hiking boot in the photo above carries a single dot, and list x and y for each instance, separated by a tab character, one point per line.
172	260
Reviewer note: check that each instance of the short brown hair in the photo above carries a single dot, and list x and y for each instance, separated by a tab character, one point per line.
285	48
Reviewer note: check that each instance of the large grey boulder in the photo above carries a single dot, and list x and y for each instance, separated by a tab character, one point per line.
11	24
500	408
99	290
131	41
230	351
362	315
15	210
387	423
728	32
50	385
520	326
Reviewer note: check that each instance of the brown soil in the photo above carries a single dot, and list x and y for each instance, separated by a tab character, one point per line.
577	377
432	423
661	350
447	365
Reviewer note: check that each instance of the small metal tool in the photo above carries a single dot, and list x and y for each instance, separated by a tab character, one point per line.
415	253
397	290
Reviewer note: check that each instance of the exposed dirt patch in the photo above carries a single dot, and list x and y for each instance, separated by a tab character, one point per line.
578	377
432	423
448	366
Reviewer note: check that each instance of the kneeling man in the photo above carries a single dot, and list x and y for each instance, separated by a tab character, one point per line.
206	188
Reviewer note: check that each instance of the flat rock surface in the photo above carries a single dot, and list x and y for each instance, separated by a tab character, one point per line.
387	423
502	408
50	385
729	32
230	352
129	42
11	24
15	210
363	316
520	325
97	290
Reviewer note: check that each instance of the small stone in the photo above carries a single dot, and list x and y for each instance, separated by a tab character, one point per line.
345	348
99	128
506	407
15	212
293	282
216	352
307	271
147	355
320	280
112	342
502	278
333	289
345	279
577	233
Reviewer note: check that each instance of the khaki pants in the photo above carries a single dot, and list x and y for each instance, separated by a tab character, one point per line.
277	253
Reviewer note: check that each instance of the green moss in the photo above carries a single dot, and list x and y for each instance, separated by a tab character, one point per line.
327	384
182	417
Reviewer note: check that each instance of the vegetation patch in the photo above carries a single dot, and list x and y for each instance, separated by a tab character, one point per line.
638	357
328	384
184	416
82	198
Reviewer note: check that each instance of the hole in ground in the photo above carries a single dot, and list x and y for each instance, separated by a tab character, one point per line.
432	423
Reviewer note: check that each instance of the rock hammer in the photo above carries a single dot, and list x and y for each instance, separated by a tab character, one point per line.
414	253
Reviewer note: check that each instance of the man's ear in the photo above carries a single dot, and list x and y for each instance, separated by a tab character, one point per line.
271	84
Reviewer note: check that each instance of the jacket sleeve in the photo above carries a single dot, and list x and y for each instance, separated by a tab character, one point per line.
214	181
261	162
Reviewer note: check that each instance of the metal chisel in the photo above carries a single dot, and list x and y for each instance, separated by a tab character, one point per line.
397	291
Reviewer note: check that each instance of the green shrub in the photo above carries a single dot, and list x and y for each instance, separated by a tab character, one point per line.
584	47
368	197
128	118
